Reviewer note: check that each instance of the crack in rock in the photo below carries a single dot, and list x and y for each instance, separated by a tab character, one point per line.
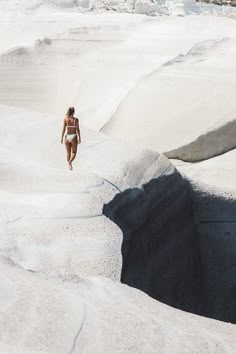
78	332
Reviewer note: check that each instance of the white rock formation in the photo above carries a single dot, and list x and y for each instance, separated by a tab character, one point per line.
69	314
219	171
102	51
49	215
148	7
162	120
53	237
60	257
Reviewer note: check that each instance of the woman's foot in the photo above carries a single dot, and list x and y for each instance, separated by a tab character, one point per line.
70	166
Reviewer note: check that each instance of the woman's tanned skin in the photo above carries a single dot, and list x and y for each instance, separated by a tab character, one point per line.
72	137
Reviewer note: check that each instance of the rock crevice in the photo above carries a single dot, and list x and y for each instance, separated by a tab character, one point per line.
170	251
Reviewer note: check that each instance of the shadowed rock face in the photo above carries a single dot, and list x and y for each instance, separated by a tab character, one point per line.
216	218
181	256
160	249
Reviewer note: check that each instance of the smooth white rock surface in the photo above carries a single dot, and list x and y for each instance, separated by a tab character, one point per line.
54	239
189	111
70	314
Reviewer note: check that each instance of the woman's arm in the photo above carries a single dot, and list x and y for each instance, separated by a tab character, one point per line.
63	130
78	130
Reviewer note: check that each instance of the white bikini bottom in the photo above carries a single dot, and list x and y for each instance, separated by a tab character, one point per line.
70	137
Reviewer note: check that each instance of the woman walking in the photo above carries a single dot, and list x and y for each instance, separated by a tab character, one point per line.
72	136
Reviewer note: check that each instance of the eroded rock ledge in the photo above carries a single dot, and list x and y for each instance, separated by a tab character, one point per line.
177	245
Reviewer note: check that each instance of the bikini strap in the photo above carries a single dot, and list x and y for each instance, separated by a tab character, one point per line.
71	126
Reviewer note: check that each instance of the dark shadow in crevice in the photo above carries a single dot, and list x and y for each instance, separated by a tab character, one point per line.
161	249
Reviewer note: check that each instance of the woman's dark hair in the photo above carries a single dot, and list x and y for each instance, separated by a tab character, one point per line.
70	112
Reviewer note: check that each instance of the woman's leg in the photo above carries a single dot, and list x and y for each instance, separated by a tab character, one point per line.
68	152
74	145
